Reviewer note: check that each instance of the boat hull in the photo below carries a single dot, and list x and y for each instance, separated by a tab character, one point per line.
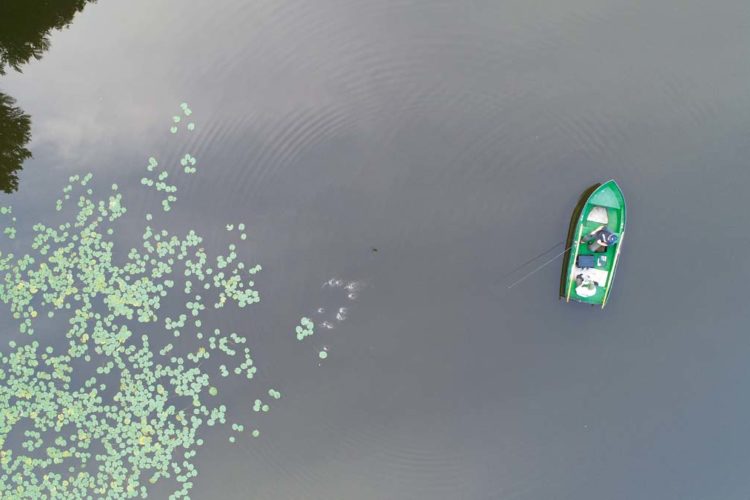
589	267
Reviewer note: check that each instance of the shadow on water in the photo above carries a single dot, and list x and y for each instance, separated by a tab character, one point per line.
571	233
25	27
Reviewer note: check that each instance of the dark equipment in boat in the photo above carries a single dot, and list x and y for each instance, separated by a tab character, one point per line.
585	261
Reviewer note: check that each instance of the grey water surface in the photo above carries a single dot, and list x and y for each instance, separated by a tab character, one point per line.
425	149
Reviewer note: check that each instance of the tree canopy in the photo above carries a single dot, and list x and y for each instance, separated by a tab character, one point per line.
25	26
15	132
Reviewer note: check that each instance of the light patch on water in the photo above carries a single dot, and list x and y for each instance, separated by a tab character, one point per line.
341	313
339	288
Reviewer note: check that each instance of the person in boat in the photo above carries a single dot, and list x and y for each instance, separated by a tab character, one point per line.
585	286
600	238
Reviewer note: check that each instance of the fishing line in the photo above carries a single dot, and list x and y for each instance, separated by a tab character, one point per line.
513	271
539	268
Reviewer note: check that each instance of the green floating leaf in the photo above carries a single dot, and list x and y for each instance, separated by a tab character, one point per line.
144	422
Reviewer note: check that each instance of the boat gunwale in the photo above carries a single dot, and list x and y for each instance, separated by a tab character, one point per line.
581	211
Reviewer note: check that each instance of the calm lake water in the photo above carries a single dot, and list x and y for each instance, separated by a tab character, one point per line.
420	152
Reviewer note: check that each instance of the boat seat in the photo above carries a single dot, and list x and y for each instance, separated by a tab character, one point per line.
599	215
598	276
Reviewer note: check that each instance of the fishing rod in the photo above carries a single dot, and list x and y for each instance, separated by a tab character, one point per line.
536	257
540	267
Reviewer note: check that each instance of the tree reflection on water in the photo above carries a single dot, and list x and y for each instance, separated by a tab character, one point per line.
25	27
15	132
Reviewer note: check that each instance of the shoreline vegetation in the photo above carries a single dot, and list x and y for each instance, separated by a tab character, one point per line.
25	28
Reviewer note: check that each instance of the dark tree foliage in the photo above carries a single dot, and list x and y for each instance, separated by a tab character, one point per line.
15	132
25	26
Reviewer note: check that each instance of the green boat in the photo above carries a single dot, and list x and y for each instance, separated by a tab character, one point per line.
594	241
